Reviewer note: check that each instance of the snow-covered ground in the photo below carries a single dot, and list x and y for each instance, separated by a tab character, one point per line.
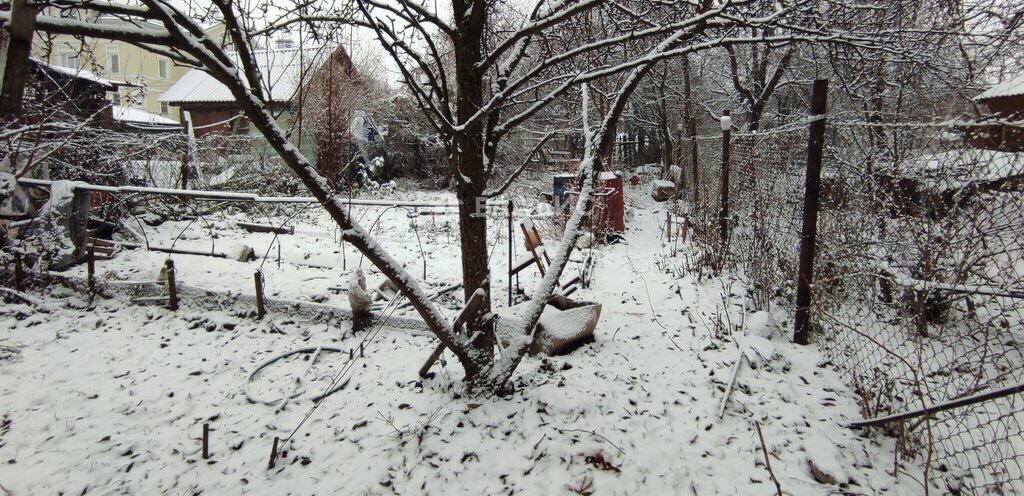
111	398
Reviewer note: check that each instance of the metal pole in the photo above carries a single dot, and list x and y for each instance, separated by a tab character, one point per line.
206	441
723	211
273	454
692	131
510	252
809	230
92	270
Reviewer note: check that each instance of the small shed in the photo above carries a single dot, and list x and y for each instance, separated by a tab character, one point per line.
212	107
1005	99
137	120
1005	102
77	92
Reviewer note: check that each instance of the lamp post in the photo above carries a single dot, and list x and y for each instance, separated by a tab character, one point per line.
723	213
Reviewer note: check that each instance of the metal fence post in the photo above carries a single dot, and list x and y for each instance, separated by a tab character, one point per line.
693	161
812	193
510	207
723	211
91	270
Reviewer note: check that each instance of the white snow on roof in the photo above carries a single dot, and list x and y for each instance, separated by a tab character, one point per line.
282	71
77	73
1010	87
956	168
139	116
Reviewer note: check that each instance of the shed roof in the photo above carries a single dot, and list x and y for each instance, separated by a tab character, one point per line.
80	74
283	71
1011	87
132	115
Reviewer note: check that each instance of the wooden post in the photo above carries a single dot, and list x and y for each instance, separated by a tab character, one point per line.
509	252
19	274
91	272
668	226
723	211
692	131
273	454
809	230
261	309
15	48
206	441
186	159
184	170
172	287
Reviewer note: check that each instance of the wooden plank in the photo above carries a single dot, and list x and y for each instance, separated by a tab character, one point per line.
265	228
187	252
474	303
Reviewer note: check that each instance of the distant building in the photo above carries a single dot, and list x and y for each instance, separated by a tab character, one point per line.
78	93
1005	99
136	120
213	109
1005	102
147	74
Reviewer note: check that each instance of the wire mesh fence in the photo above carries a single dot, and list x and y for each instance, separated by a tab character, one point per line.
918	285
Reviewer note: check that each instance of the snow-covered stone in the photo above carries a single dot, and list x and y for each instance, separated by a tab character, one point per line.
762	324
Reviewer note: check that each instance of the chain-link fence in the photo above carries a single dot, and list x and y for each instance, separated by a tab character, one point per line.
918	291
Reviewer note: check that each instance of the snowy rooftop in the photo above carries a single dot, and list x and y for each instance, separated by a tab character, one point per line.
957	168
282	71
1010	87
78	74
138	116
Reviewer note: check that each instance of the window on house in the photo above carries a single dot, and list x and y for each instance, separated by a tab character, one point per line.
68	59
113	60
164	68
165	108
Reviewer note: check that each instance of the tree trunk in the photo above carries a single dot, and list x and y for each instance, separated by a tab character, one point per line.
468	169
754	116
15	49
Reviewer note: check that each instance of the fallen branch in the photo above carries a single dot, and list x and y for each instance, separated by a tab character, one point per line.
265	228
31	300
180	251
593	433
474	303
767	460
732	380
